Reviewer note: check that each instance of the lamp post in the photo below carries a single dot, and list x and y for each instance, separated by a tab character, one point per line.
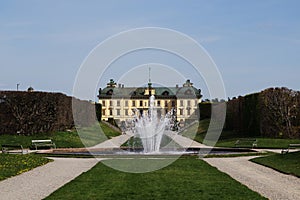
18	86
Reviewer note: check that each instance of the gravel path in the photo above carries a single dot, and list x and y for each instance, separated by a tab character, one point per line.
184	141
266	181
114	142
42	181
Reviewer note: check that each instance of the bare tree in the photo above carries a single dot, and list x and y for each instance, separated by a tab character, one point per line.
280	110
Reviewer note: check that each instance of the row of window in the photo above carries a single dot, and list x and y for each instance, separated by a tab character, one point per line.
126	112
144	103
188	111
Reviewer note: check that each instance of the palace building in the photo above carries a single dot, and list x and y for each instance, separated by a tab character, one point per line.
119	102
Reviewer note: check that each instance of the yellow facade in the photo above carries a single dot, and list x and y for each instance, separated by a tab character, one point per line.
120	103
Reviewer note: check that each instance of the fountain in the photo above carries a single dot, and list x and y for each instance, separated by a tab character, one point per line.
150	127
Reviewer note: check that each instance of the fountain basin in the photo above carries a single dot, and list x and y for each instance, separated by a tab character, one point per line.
140	151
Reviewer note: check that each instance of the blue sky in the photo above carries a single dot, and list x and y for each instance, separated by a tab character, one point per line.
255	44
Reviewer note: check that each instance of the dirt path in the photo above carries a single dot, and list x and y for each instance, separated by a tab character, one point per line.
266	181
42	181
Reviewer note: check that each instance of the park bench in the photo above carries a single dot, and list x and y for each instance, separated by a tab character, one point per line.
291	146
43	143
246	142
12	148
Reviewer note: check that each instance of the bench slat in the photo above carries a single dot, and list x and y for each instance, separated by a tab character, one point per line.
35	141
41	143
294	145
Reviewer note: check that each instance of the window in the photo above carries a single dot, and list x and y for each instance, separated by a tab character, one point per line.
188	111
141	103
173	104
103	112
103	102
118	112
126	112
181	103
165	93
109	92
126	103
110	112
158	103
110	103
188	103
133	103
118	103
166	104
181	111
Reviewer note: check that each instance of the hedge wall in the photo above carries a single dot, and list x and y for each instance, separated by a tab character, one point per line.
28	113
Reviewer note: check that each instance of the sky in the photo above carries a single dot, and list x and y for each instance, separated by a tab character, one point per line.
254	44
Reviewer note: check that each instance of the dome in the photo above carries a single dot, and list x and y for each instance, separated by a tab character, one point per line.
30	89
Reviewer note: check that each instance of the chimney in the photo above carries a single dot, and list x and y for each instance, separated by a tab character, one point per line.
123	86
176	85
119	85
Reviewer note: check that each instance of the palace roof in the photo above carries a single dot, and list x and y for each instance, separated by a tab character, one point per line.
114	91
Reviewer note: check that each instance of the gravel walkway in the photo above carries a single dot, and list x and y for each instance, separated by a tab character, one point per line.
42	181
266	181
114	142
184	141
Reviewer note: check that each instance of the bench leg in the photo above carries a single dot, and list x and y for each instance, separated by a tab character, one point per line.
284	151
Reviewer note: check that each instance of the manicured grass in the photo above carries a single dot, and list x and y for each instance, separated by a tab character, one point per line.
228	138
109	132
136	142
287	163
61	139
133	142
14	164
186	178
64	139
197	131
91	136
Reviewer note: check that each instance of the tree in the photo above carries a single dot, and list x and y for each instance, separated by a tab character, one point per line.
280	111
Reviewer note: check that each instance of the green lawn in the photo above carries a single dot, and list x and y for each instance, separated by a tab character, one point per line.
287	163
228	138
14	164
186	178
136	142
197	131
64	139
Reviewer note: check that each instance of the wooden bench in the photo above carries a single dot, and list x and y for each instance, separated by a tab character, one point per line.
42	143
291	146
12	148
246	142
